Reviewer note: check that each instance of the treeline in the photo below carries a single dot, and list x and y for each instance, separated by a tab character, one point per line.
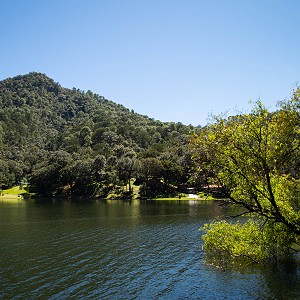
67	142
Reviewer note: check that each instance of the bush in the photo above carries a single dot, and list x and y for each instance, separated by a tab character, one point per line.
251	240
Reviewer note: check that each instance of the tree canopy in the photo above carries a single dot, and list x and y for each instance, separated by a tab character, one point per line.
254	158
70	142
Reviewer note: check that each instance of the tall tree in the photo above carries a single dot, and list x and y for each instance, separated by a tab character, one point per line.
252	157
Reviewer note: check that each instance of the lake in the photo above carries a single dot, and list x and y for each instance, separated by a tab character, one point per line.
123	250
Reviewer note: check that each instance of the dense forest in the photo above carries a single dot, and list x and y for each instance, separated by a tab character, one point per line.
67	142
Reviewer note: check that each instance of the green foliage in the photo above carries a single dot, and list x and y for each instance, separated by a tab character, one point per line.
252	241
254	158
71	142
234	240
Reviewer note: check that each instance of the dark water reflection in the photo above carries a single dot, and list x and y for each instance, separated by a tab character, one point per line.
123	250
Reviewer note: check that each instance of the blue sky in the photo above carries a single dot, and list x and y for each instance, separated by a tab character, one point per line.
173	60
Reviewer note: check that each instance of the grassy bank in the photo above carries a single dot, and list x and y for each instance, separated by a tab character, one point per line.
189	197
13	194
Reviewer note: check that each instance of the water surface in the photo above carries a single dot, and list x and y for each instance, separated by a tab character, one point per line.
123	250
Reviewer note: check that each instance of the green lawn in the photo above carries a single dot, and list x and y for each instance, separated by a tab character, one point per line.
14	191
176	198
12	194
185	197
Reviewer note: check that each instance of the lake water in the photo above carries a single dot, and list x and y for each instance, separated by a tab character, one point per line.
123	250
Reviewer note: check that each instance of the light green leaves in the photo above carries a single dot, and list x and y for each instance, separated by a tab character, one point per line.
253	241
255	158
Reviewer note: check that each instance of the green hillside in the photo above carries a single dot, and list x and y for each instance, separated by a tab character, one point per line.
67	142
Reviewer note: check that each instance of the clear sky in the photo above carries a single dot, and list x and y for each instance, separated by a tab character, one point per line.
173	60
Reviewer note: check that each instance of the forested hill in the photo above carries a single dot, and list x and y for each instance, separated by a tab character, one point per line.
67	141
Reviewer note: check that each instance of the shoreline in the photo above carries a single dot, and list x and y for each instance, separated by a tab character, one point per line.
11	198
15	194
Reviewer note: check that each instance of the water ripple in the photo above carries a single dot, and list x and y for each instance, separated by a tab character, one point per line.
108	251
